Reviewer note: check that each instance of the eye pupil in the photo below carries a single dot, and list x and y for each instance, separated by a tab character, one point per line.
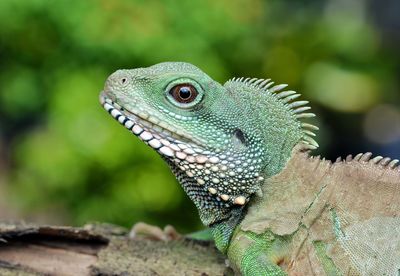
185	92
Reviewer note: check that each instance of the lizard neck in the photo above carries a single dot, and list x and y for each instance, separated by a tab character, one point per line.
223	230
288	196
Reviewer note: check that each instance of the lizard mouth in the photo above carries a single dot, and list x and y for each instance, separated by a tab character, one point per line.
163	138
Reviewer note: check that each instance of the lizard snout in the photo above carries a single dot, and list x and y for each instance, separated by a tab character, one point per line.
117	80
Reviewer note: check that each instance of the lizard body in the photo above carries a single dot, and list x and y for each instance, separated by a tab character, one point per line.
335	219
240	152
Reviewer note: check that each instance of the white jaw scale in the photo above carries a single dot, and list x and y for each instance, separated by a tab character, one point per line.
165	143
209	170
160	140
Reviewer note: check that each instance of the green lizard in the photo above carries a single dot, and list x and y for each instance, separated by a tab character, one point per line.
240	152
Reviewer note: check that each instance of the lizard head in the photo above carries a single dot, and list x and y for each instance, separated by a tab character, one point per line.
220	141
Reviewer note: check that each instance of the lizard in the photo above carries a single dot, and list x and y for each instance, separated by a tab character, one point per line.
241	152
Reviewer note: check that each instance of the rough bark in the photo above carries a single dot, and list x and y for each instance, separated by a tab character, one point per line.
100	249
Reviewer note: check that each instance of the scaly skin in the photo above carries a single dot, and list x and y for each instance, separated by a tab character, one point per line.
236	149
321	218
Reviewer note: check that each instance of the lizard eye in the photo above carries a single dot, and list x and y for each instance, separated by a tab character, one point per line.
184	93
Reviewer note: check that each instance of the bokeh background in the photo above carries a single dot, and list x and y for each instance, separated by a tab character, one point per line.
65	160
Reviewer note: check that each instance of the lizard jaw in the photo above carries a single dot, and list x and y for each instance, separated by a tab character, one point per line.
167	142
205	168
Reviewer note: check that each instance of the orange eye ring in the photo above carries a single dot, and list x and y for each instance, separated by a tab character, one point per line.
184	93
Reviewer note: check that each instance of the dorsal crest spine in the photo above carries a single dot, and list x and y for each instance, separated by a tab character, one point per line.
299	109
386	162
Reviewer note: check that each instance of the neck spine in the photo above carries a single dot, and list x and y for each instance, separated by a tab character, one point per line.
275	116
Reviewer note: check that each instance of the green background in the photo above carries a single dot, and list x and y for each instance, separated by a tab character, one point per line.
65	160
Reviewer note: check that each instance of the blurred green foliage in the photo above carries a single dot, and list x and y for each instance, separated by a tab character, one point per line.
63	159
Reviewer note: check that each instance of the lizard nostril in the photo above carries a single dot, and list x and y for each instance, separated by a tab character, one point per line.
119	77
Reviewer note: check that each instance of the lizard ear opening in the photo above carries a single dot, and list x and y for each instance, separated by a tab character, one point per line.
239	140
240	136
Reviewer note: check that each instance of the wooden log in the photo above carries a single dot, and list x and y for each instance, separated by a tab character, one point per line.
101	249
